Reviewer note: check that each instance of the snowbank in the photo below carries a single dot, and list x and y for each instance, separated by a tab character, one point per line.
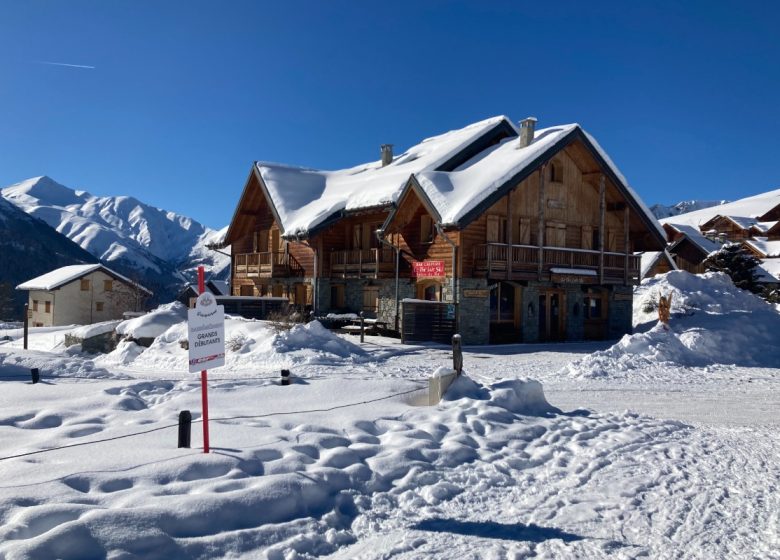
88	331
250	345
155	323
713	322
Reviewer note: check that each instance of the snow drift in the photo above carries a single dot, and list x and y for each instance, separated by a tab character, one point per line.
713	322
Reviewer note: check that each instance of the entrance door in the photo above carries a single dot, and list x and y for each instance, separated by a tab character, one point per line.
552	325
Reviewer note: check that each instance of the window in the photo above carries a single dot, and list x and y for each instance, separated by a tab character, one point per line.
85	284
595	305
370	299
426	229
502	303
430	291
524	231
556	172
278	290
35	305
108	285
496	229
246	290
555	234
587	238
47	307
337	296
98	306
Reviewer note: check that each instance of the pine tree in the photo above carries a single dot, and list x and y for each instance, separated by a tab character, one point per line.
738	263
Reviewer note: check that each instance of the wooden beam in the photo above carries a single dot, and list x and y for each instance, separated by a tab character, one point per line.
616	206
540	229
602	223
626	238
509	230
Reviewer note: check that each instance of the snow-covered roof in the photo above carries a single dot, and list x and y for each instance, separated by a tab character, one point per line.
769	267
752	207
304	198
764	226
764	246
695	236
456	193
61	276
648	259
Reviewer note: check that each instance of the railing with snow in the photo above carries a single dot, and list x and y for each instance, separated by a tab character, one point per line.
361	262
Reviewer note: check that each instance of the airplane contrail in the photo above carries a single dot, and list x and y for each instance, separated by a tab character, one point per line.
64	64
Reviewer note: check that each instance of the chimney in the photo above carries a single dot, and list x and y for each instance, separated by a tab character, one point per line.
527	126
387	154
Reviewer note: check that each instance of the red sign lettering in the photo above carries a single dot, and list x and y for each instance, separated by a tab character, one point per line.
427	269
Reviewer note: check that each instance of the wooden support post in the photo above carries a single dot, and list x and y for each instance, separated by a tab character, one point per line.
509	232
26	324
602	224
540	228
626	238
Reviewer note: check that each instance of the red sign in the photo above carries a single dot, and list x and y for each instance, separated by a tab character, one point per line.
427	269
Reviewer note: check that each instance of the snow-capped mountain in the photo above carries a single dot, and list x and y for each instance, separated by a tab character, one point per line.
660	211
161	247
28	248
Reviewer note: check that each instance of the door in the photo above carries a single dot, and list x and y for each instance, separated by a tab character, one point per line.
552	324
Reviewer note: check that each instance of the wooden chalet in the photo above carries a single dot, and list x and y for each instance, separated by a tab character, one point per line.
518	234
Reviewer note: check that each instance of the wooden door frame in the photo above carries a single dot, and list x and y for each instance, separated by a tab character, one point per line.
548	293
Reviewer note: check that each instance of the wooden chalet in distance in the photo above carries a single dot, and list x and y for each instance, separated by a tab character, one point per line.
522	235
753	221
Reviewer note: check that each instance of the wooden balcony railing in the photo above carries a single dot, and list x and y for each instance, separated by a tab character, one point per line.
267	264
361	262
500	260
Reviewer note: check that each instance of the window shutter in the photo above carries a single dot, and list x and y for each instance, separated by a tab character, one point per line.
492	229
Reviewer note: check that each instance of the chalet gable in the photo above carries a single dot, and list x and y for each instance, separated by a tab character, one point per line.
255	201
305	201
457	198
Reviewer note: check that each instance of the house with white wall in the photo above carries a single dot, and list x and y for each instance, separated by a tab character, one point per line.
81	295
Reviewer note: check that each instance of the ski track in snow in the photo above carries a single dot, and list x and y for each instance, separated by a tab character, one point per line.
481	476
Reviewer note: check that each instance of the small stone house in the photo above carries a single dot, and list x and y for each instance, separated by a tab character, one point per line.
81	295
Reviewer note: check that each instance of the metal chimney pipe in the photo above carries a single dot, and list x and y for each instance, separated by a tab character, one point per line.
527	127
387	154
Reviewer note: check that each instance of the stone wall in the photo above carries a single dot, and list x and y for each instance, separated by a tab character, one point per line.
474	313
620	318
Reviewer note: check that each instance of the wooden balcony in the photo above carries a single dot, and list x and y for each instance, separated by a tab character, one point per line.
521	262
271	264
361	263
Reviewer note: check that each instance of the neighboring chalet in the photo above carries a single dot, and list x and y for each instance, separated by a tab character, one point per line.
528	235
653	263
189	293
754	222
81	295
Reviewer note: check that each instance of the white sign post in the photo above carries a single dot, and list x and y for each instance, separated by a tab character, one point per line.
206	336
206	333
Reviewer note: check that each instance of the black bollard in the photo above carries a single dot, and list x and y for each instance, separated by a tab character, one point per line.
36	376
285	377
185	425
457	354
362	327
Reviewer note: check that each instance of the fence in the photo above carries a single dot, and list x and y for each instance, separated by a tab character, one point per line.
428	321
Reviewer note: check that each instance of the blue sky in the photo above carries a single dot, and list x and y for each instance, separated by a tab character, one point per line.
184	96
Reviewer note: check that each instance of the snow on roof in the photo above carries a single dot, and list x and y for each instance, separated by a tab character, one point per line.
649	258
753	207
764	246
456	193
66	274
695	236
764	226
304	198
742	221
769	267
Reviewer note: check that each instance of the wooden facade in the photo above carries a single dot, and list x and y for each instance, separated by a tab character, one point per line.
548	257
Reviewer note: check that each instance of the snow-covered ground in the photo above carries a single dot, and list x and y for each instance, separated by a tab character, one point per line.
648	457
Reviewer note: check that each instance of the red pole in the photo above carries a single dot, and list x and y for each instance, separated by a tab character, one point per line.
203	379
